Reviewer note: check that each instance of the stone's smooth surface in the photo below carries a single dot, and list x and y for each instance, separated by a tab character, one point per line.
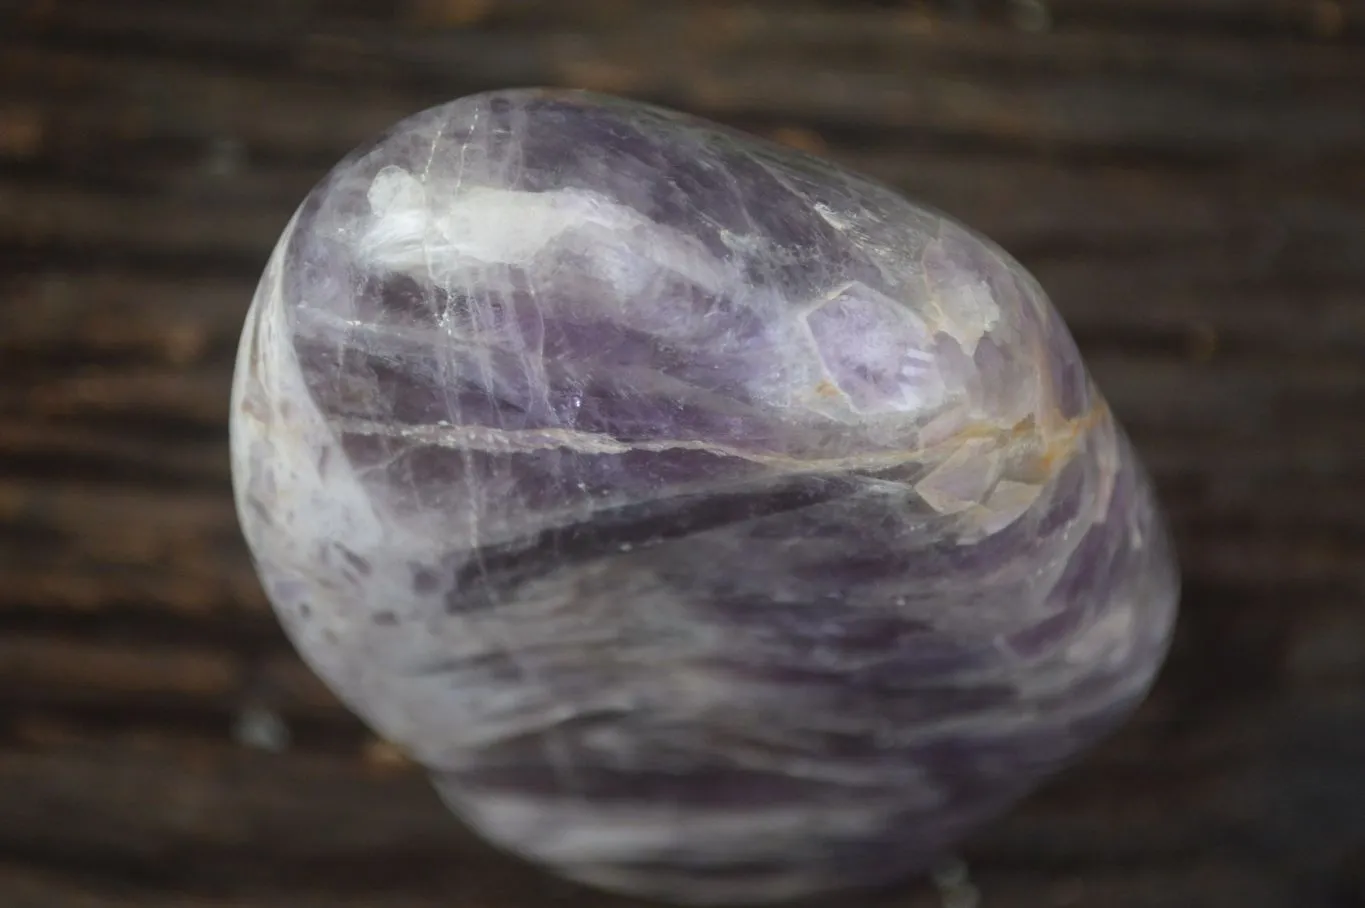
712	522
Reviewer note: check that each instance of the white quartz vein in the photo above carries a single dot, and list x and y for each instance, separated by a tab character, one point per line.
479	438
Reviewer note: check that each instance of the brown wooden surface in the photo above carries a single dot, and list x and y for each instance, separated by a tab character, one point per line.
1187	177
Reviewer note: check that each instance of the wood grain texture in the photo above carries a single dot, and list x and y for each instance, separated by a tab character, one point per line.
1186	177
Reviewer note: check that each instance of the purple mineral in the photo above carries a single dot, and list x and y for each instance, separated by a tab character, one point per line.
711	522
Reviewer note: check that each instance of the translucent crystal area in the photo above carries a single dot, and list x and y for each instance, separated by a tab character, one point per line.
712	522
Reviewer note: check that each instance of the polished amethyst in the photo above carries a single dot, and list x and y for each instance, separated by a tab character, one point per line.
712	522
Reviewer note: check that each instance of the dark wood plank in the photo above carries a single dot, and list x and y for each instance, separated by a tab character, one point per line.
1187	177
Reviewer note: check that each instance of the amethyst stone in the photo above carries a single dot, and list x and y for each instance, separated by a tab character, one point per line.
710	521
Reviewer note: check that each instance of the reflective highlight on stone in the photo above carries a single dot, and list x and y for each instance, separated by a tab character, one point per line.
713	523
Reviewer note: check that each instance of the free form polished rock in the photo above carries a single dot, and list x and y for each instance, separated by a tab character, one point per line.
712	523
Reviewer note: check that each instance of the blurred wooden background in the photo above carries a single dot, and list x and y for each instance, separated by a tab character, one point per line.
1187	177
